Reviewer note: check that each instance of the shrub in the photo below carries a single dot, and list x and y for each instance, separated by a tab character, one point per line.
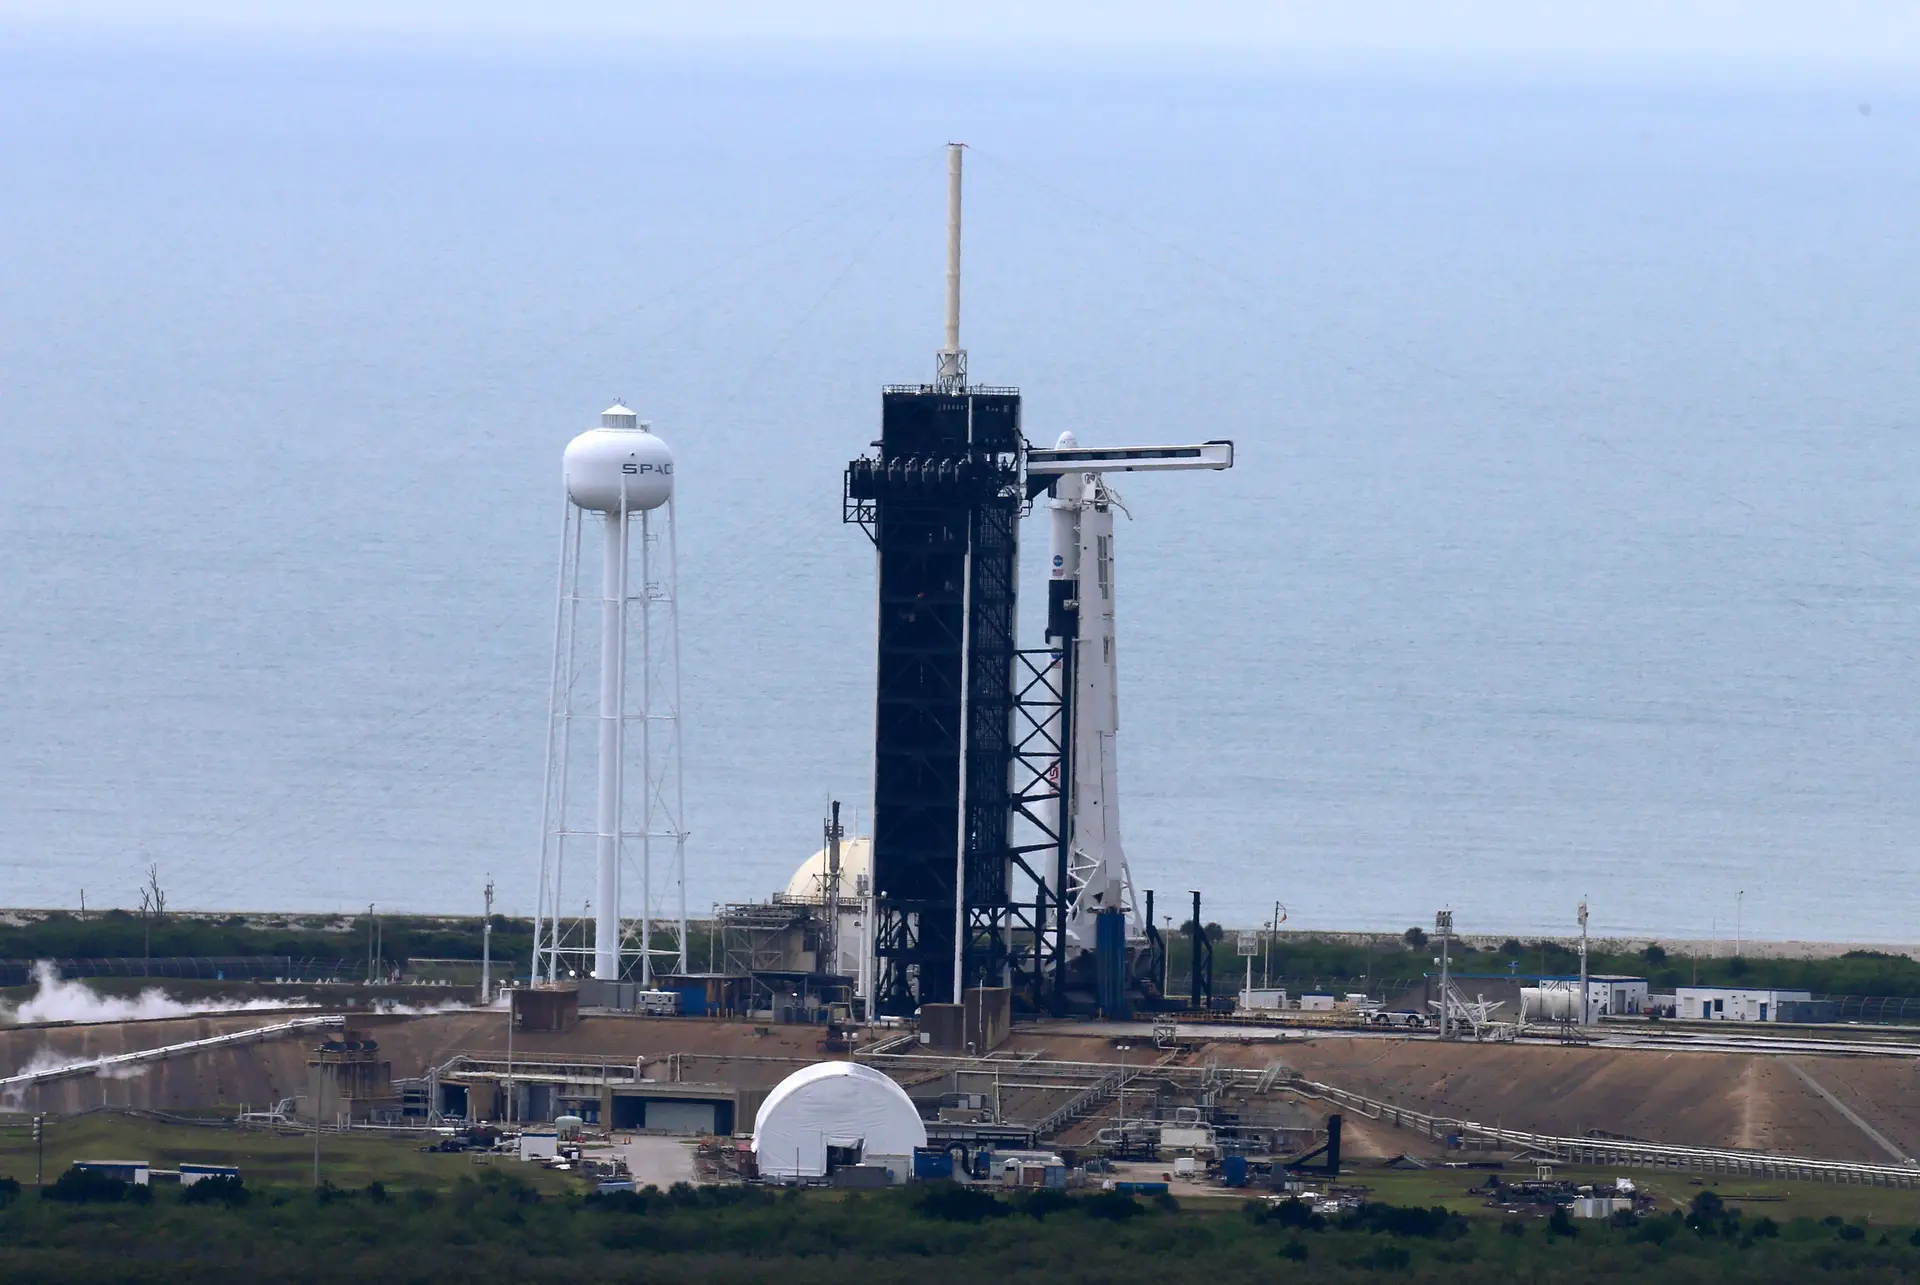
9	1190
1710	1215
1040	1203
84	1187
1396	1220
1852	1231
220	1190
1385	1258
952	1203
1560	1222
1415	937
1296	1251
1513	1227
1294	1212
1114	1206
1658	1230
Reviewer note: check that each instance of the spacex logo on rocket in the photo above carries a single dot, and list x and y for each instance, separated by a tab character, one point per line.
630	467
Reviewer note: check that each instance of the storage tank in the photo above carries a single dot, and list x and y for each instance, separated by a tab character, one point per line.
1550	1003
619	467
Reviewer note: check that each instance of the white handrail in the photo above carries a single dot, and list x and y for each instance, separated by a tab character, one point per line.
93	1066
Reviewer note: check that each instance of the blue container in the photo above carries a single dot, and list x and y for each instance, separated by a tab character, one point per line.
1142	1188
1233	1170
931	1164
1110	965
693	1000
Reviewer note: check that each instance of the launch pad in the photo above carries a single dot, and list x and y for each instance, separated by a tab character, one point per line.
996	838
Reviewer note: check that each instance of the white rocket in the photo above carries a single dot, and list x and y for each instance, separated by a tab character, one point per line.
1081	589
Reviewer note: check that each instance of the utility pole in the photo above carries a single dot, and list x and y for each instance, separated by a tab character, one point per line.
830	939
486	950
1739	905
1266	950
1586	1008
313	1094
1443	925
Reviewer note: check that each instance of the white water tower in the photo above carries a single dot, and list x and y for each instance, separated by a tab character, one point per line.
614	719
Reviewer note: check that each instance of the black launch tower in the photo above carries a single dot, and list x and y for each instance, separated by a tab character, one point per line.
942	503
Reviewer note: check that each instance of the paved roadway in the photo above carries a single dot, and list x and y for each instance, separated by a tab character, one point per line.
657	1161
1609	1037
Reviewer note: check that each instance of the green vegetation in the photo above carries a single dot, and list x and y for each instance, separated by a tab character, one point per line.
1292	960
263	1156
496	1226
393	1213
123	934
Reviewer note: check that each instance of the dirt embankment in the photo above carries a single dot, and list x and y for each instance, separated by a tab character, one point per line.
1752	1101
1743	1100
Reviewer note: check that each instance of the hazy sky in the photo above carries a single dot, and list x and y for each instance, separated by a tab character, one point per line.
1811	32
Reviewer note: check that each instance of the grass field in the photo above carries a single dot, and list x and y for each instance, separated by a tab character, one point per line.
1780	1201
354	1160
267	1158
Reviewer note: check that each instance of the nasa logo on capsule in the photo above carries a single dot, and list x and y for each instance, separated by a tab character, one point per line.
1059	561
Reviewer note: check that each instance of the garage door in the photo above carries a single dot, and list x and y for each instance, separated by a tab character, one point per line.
680	1117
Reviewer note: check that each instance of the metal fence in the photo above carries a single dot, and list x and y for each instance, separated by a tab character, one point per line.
1875	1008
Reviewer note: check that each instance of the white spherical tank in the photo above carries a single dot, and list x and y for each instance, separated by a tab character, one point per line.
620	464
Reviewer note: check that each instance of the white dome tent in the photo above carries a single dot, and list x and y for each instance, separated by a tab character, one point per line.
850	1108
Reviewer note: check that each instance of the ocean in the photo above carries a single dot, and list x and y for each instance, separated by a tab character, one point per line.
1570	550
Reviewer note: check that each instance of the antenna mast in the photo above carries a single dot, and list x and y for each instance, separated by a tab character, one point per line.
952	372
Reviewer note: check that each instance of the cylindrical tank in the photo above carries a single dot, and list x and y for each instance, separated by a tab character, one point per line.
568	1128
620	464
1549	1004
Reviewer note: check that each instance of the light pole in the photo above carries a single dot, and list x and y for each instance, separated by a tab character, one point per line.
486	950
312	1099
1586	1010
1739	906
1443	924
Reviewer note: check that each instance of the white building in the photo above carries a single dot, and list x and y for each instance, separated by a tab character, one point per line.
1617	996
832	1115
1733	1004
1557	999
